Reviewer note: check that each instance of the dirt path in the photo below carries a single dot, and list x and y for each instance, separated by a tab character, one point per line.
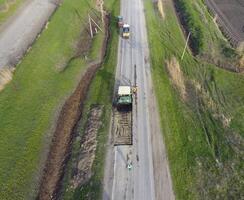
21	30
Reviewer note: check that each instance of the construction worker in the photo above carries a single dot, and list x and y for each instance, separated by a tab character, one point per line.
134	89
129	166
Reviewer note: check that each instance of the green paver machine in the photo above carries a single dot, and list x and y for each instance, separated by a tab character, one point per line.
120	21
124	97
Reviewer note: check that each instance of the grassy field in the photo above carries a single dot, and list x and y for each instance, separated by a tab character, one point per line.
206	39
201	118
30	104
100	93
8	9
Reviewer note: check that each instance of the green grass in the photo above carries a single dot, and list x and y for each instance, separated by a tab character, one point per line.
206	39
100	92
30	104
4	14
204	162
192	23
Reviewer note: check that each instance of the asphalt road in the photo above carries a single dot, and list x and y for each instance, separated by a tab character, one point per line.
19	32
149	178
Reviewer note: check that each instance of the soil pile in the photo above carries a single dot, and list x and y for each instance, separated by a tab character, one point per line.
5	76
176	76
88	144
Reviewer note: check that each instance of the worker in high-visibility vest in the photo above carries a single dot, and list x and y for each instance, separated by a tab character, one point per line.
134	89
129	166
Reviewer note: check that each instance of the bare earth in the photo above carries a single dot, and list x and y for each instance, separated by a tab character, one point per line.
19	32
231	17
149	178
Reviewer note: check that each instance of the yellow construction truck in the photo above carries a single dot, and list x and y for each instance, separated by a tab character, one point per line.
126	31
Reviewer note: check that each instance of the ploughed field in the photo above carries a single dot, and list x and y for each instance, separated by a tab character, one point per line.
231	17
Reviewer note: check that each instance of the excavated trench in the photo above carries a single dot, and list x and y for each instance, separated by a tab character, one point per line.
62	139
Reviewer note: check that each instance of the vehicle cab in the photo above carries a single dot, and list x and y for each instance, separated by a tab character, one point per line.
126	31
120	21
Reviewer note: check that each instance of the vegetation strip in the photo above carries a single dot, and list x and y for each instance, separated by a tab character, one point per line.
30	103
62	140
100	94
201	109
208	44
9	63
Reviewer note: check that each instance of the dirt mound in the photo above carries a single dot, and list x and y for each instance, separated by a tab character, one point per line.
161	8
6	75
82	172
241	64
176	76
62	138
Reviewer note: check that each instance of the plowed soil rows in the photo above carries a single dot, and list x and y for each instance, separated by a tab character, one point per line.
230	17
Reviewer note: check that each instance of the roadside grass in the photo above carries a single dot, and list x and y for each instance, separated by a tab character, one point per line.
204	153
206	39
8	8
30	103
197	18
100	93
96	47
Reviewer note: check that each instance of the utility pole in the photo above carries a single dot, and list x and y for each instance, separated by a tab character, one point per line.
102	11
96	24
90	25
187	40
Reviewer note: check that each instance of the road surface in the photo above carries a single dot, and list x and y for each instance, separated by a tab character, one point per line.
20	31
149	178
